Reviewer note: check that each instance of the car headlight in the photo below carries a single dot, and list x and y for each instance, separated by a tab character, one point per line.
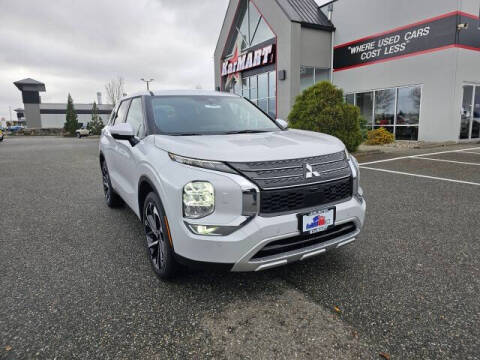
198	199
205	164
355	171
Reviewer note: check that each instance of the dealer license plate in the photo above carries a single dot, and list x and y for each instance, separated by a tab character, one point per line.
317	221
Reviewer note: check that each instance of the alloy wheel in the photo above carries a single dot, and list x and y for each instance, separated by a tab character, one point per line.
106	181
155	235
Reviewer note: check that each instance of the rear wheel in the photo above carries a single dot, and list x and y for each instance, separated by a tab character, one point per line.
79	136
157	238
111	197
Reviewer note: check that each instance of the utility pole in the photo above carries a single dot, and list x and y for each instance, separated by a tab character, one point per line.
10	111
148	82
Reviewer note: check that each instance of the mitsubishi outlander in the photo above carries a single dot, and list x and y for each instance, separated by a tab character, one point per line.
218	183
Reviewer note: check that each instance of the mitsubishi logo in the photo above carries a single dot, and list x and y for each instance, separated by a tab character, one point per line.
309	173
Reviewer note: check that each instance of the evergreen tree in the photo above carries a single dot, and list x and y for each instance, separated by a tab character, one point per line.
96	124
71	123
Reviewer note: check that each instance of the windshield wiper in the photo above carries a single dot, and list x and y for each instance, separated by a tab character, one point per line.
187	134
247	132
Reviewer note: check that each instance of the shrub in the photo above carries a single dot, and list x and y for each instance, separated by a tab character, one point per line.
379	136
322	108
364	127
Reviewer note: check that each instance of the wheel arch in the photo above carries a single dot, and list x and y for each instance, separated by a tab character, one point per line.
145	186
101	158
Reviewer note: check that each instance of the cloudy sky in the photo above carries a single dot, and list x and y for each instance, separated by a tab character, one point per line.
78	46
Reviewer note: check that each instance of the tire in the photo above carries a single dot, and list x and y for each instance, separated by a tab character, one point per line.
112	199
79	136
157	240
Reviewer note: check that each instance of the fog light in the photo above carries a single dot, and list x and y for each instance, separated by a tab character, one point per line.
204	229
198	199
211	230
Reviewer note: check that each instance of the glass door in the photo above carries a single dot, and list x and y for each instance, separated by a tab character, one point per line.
466	112
470	116
475	134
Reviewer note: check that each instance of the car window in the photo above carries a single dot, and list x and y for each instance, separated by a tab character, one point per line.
135	116
198	114
111	118
122	111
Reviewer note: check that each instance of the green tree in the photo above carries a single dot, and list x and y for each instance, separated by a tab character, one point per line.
71	123
322	108
96	124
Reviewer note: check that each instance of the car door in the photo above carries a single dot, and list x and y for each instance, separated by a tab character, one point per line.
128	156
110	145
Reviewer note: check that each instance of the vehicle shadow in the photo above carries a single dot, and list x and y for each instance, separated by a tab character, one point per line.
224	286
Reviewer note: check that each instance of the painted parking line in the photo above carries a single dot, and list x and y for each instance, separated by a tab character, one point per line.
447	161
417	156
471	152
421	176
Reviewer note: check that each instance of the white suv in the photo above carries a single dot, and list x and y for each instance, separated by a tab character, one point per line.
217	183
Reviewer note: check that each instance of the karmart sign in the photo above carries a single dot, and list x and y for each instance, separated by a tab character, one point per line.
252	59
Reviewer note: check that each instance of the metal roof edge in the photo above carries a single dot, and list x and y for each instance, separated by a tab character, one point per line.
316	26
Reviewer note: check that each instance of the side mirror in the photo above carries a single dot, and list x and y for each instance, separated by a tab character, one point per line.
123	131
282	123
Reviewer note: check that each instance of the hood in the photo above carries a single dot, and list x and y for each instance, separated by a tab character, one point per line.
279	145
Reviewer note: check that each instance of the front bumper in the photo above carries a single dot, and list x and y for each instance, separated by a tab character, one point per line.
238	250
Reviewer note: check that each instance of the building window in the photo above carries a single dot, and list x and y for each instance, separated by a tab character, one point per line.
272	94
408	113
251	29
310	75
322	75
261	89
395	109
350	99
385	107
253	89
365	102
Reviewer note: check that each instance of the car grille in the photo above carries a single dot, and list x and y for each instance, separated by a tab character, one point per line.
270	175
297	198
303	241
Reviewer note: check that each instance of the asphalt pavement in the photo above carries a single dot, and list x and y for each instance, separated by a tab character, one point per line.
75	281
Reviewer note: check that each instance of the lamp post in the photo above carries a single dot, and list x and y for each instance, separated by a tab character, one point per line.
148	83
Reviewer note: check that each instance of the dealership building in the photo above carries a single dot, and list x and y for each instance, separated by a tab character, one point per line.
412	67
38	115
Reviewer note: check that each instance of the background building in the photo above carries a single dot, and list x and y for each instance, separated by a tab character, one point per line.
52	115
411	67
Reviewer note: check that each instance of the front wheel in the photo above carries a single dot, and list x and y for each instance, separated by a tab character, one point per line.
157	238
79	136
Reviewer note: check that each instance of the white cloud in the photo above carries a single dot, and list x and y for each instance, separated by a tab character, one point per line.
78	46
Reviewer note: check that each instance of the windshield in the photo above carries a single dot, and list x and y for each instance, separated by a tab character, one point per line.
207	115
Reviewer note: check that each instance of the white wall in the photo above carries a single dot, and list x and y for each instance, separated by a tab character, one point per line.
436	72
58	120
355	19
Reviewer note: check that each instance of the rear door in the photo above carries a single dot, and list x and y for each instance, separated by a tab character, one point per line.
110	145
128	156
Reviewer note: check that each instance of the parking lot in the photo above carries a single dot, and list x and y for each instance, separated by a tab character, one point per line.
75	281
